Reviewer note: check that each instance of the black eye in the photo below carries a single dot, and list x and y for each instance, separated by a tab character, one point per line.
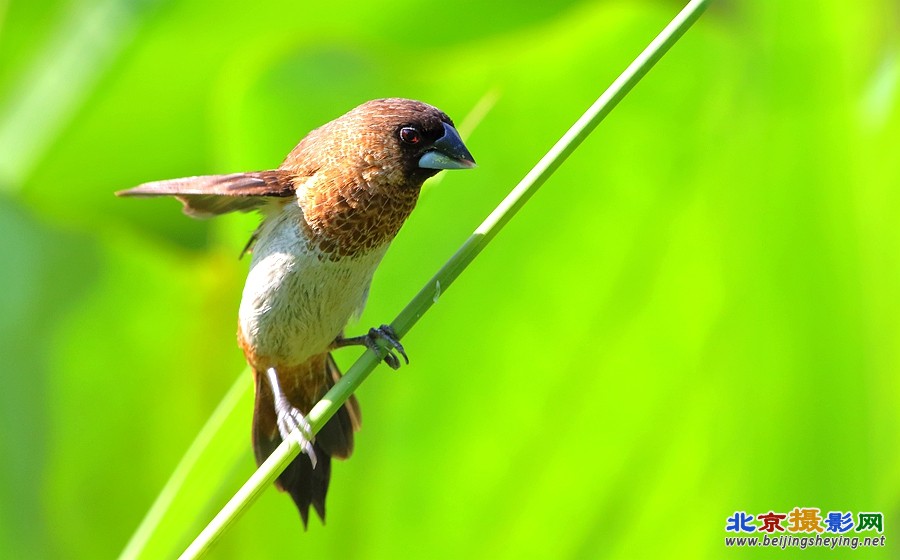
410	135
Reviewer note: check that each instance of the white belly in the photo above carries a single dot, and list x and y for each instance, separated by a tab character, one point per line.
295	303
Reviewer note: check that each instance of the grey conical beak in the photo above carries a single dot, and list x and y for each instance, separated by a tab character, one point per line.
448	152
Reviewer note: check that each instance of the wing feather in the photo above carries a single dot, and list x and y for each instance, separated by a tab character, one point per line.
205	196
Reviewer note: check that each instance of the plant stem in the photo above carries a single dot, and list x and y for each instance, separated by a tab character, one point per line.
335	398
163	502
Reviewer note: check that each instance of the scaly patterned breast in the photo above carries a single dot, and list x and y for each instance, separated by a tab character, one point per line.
356	213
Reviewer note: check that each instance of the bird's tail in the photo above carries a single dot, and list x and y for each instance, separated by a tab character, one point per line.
304	385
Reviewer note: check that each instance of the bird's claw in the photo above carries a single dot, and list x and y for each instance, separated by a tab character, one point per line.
370	341
392	344
291	421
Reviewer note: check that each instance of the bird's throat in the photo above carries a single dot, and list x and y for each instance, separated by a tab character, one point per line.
355	218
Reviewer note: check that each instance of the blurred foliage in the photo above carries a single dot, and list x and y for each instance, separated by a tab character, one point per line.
698	314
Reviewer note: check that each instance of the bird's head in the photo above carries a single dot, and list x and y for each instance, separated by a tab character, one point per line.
407	141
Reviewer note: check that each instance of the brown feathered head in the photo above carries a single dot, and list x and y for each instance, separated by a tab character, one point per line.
408	137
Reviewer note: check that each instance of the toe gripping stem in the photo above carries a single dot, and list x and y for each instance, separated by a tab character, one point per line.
389	339
289	418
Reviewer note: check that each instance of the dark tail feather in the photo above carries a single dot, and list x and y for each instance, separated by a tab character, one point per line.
307	486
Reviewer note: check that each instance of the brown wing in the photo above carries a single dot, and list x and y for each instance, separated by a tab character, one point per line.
209	195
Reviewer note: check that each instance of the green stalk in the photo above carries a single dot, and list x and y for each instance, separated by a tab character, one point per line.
335	398
163	502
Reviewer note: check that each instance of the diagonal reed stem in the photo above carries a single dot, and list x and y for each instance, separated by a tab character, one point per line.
335	398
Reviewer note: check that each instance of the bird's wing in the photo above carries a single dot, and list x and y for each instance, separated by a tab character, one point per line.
209	195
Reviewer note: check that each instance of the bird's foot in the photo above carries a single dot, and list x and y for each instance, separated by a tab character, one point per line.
383	333
289	418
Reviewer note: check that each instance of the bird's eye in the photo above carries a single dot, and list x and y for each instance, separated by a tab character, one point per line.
410	135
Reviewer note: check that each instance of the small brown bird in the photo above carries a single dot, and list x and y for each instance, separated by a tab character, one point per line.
329	213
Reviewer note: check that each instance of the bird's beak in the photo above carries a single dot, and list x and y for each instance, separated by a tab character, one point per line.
448	152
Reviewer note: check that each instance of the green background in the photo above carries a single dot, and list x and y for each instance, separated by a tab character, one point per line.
697	314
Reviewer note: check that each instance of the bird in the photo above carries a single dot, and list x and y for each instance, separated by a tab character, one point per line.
329	213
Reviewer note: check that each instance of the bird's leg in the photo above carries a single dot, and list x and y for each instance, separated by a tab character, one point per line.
370	341
289	418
